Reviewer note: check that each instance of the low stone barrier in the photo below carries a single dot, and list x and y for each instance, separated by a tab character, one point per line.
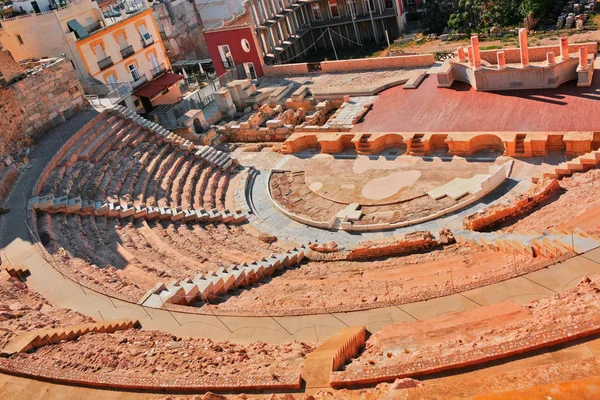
161	384
498	213
409	243
538	340
368	64
536	54
286	69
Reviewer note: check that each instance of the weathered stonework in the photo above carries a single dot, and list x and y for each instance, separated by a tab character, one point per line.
37	103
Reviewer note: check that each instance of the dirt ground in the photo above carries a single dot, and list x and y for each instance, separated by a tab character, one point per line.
348	285
23	310
577	207
450	335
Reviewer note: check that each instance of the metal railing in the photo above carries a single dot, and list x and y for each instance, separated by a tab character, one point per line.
140	81
227	64
93	27
127	51
159	70
118	92
105	63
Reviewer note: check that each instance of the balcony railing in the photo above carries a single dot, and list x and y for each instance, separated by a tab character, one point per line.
127	51
93	27
139	81
228	64
105	63
161	69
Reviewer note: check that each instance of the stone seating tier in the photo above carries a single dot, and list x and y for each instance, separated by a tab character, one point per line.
50	204
206	287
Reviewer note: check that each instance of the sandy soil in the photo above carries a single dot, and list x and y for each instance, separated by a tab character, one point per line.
578	206
23	310
377	283
449	335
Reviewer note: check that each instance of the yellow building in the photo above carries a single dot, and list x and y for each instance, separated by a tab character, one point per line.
131	50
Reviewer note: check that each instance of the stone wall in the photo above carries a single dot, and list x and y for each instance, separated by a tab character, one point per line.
9	68
536	54
38	103
367	64
409	243
286	69
496	214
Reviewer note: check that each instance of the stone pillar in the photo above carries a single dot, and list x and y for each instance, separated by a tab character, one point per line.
583	59
476	55
501	59
523	47
470	52
461	54
564	48
550	58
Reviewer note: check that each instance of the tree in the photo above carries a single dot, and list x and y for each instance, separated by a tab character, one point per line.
437	13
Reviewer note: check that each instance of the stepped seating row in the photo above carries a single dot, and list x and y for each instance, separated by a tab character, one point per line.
44	337
207	287
568	168
110	209
213	156
16	272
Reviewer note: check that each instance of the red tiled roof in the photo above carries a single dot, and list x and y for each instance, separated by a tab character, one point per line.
156	86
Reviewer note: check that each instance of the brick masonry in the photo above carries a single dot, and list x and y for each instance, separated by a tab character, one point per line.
9	68
286	69
536	54
38	103
367	64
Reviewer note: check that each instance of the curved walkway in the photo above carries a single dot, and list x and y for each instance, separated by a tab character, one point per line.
63	292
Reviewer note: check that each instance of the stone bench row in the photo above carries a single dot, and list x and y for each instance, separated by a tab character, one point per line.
50	204
207	287
215	157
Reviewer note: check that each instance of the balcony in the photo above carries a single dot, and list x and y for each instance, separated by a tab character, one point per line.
147	40
105	63
127	51
158	71
139	81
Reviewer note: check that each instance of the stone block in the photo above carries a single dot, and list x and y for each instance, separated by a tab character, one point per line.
74	205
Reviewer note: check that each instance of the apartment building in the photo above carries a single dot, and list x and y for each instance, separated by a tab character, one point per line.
286	30
116	52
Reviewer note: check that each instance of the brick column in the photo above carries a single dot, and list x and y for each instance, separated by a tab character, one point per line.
550	60
564	48
461	54
501	59
583	59
470	52
523	47
476	55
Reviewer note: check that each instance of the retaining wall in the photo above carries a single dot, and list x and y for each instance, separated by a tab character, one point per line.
286	69
368	64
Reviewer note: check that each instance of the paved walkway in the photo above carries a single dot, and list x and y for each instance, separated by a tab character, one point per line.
66	293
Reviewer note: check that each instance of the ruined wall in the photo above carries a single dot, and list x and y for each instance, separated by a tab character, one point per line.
38	103
536	54
181	30
367	64
493	215
9	68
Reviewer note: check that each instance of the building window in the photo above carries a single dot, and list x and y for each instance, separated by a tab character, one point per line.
250	71
389	4
333	9
146	37
411	5
111	80
352	7
226	56
370	6
20	39
316	10
136	103
246	45
135	73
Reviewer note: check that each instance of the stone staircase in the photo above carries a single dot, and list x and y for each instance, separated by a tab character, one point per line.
363	145
568	168
520	144
64	205
209	154
207	287
549	243
416	146
44	337
331	355
16	272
